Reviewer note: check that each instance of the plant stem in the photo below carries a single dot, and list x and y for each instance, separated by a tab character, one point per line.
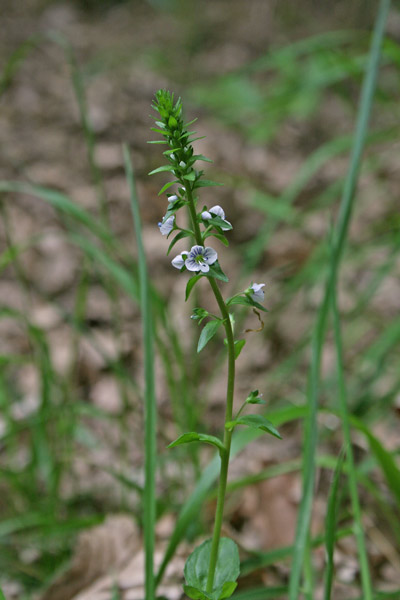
219	513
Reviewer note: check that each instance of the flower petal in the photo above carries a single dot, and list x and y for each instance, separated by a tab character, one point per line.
206	215
258	292
217	210
204	268
210	255
178	261
191	264
195	251
172	198
167	226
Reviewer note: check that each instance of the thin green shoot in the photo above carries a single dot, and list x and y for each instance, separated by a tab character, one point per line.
331	527
149	497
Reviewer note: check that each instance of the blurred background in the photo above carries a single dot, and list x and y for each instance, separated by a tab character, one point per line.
275	87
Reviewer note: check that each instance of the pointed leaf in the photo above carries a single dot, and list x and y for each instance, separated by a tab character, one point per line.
182	234
192	436
239	347
209	330
227	590
190	176
217	272
201	157
226	572
218	222
169	168
195	594
246	301
167	185
205	183
219	236
255	422
191	283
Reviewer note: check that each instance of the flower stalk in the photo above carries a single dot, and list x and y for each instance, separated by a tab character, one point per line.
223	477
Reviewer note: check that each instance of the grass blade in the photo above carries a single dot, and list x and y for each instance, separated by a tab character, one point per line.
330	528
352	477
149	497
341	231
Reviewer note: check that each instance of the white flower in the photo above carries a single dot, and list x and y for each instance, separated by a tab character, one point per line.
172	198
182	164
167	226
215	211
199	258
179	260
256	292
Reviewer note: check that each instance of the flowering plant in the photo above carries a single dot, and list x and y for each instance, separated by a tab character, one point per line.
212	569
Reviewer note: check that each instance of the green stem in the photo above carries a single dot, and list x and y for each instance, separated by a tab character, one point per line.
219	513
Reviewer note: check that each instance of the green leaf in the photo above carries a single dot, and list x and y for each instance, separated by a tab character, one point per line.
227	590
255	422
190	176
219	236
169	168
192	436
218	222
201	157
191	283
238	346
246	301
205	183
167	185
217	272
226	573
196	594
182	234
209	330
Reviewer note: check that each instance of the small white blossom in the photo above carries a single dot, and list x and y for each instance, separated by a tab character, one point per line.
215	211
256	292
172	198
172	156
182	164
179	260
199	258
167	226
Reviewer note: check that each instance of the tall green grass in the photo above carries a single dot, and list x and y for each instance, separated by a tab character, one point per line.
149	496
339	239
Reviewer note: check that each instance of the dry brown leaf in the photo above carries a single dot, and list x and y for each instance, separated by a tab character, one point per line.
100	550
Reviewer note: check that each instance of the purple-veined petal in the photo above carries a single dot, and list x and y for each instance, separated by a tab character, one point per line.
206	215
210	255
191	264
195	251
